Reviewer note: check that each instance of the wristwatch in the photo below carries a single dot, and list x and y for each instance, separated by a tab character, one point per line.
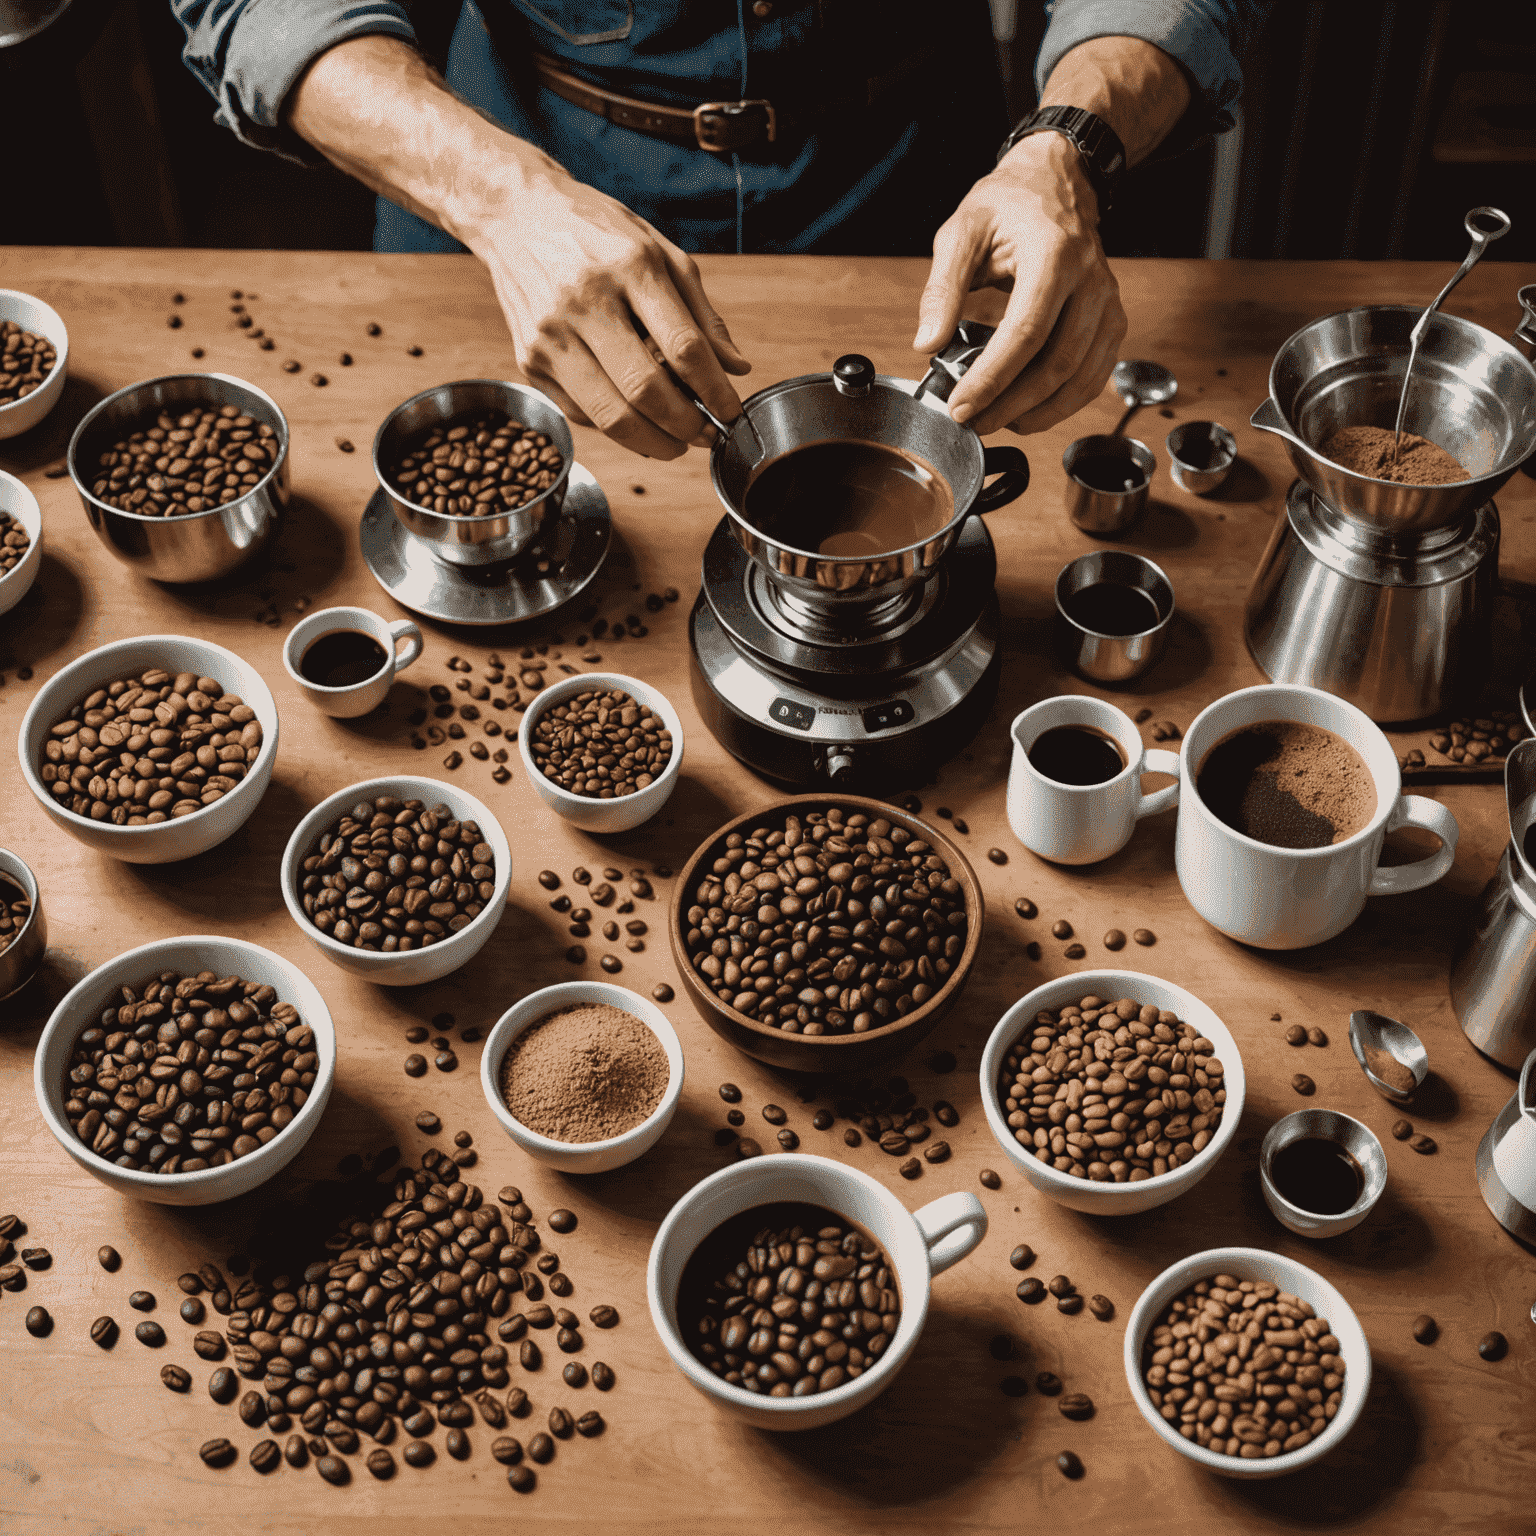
1099	145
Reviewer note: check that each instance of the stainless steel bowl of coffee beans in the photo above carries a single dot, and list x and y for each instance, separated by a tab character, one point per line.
475	468
185	477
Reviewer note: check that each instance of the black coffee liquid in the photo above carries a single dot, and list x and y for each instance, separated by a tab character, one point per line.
1317	1175
342	658
1112	608
848	500
1076	754
1116	476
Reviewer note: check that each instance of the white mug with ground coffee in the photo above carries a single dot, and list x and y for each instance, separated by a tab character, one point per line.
345	659
1289	795
1074	787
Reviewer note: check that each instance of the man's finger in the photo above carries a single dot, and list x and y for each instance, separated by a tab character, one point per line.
1084	386
690	286
689	352
957	252
585	379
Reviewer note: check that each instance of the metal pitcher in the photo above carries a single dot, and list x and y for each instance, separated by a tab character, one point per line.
1506	1159
1493	972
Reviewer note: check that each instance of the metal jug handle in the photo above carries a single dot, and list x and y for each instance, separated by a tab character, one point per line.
1524	1100
1012	470
949	365
1524	337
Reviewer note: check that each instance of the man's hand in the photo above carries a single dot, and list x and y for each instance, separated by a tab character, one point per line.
1031	229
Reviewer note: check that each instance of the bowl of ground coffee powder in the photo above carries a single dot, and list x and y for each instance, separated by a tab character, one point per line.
584	1076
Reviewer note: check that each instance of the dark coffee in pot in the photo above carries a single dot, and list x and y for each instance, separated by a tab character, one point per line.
848	500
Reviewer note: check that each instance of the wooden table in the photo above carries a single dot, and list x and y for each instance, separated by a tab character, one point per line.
90	1442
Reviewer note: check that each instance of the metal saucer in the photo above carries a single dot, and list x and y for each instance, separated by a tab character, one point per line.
549	573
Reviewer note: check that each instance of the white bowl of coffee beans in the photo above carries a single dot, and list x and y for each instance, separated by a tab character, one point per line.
1111	1091
397	880
34	356
21	541
602	749
1247	1362
228	1049
152	749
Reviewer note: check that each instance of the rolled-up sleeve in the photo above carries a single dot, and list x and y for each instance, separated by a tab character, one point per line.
1208	37
251	53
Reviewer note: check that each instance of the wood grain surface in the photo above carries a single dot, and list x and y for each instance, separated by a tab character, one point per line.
91	1443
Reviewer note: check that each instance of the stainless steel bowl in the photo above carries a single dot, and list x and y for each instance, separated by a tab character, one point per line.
19	962
1473	394
466	540
196	546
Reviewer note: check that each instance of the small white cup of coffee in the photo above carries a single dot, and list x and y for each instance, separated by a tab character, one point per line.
1074	786
918	1245
1300	872
345	659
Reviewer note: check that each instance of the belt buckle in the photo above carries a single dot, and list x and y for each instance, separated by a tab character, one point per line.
713	122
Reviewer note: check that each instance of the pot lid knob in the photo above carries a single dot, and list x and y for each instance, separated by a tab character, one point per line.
853	375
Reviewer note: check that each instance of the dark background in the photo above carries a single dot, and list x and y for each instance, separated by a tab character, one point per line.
1368	129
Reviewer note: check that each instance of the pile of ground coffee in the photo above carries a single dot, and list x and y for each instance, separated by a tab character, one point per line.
1368	451
584	1074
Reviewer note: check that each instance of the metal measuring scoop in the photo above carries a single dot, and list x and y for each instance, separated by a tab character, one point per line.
1484	225
1140	383
1392	1038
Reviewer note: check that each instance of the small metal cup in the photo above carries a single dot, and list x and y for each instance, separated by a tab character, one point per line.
1112	658
1200	455
1093	507
1356	1139
20	960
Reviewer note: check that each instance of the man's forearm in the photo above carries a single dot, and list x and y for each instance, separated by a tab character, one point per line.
1139	90
376	109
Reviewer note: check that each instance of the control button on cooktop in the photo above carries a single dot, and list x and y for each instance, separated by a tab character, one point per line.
881	717
798	717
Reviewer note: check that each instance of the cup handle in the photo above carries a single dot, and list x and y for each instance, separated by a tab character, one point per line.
951	1226
1417	811
1164	799
403	629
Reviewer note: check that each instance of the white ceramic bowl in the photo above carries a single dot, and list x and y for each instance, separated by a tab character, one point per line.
16	499
42	320
1299	1281
1082	1194
415	965
586	1156
82	1007
628	811
166	841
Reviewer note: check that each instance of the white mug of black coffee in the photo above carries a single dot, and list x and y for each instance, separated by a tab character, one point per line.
345	659
1289	795
1074	786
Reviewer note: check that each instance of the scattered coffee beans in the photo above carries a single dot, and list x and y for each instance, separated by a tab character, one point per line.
1422	1144
602	1376
1425	1329
1022	1256
989	1179
1069	1464
39	1322
477	466
334	1470
144	749
601	745
174	1377
1492	1346
1145	937
1048	1384
1277	1369
1101	1307
176	465
150	1334
109	1258
1076	1405
265	1456
187	1073
14	540
26	360
1112	1091
1296	1035
834	925
590	1424
217	1453
1303	1085
104	1335
396	875
142	1301
1402	1129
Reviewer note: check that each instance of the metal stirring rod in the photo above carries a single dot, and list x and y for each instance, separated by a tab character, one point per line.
1484	225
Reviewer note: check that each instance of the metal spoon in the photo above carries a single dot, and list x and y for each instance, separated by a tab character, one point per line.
1379	1033
1140	383
1484	225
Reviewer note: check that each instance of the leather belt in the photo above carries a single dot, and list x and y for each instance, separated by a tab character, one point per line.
718	126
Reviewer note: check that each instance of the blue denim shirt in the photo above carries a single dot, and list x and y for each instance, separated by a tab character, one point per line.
875	180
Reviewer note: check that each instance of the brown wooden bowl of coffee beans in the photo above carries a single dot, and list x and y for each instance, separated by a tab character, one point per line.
184	478
475	468
188	1071
763	957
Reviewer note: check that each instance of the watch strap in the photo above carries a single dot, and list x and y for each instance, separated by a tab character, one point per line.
1099	145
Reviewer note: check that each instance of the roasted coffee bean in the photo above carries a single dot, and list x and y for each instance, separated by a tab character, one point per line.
142	1301
334	1470
662	993
590	1424
29	359
997	856
1070	1305
1069	1464
252	1409
989	1179
296	1451
562	1221
1061	929
1101	1307
1030	1291
39	1322
1033	950
478	465
1074	952
936	1152
910	1169
147	749
216	1453
1315	1036
428	1123
724	1136
602	1376
575	1374
209	1346
529	1355
1060	1285
1001	1347
1048	1384
1402	1129
1076	1405
172	466
730	1093
13	1277
603	1316
381	1464
174	1377
1303	1085
150	1334
567	1341
395	875
788	1140
1013	1386
541	1448
1114	939
1493	1345
418	1453
521	1479
1145	937
823	1120
506	1450
1026	908
735	1117
1296	1035
415	1066
1422	1143
265	1456
1425	1329
576	954
611	964
456	1443
104	1334
109	1259
774	1114
517	1403
946	1113
746	1147
223	1385
851	1137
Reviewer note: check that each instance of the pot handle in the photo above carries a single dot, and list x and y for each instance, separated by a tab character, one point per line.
950	363
1012	471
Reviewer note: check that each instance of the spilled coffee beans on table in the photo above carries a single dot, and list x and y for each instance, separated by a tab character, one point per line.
26	360
189	1072
14	542
395	875
601	745
790	1309
1112	1091
176	465
836	924
144	749
478	467
1243	1368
